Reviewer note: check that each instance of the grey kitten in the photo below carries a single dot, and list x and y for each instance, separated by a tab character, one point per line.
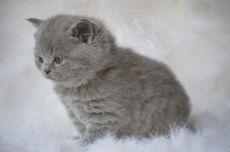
106	88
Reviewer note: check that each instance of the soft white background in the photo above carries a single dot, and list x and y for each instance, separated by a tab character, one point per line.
191	36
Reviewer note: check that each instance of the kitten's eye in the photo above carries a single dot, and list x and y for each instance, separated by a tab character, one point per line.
58	60
40	59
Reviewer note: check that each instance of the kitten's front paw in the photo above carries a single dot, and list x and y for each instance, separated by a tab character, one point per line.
84	142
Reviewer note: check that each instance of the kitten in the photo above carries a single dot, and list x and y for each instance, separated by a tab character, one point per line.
106	88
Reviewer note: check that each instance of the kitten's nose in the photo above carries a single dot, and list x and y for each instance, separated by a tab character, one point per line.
47	71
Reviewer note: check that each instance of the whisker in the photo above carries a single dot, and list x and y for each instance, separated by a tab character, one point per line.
38	77
43	80
33	75
40	82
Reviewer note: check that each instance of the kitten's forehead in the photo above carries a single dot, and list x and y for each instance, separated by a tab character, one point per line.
52	38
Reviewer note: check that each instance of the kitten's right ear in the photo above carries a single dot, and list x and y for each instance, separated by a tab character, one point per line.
35	22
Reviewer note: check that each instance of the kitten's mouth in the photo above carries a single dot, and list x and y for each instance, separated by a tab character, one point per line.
51	78
54	77
48	77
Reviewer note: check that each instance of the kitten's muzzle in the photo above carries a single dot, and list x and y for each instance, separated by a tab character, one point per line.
47	71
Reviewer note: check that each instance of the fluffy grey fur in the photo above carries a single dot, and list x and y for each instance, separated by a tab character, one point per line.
106	88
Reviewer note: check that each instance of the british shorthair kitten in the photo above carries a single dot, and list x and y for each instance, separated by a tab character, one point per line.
106	88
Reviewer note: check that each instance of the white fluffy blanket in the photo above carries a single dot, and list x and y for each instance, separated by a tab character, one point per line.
191	37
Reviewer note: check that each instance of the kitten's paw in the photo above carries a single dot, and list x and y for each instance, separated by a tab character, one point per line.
84	142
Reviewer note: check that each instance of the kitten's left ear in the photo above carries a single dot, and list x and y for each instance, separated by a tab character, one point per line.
35	22
84	30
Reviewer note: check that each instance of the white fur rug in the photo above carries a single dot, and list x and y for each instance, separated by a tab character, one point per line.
191	37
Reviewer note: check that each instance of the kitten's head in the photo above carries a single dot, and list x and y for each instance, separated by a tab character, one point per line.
70	49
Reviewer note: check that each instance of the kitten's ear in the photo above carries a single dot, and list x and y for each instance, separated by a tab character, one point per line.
84	30
35	22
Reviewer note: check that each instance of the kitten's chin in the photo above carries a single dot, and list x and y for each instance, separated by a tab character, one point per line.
55	80
58	80
52	79
47	77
